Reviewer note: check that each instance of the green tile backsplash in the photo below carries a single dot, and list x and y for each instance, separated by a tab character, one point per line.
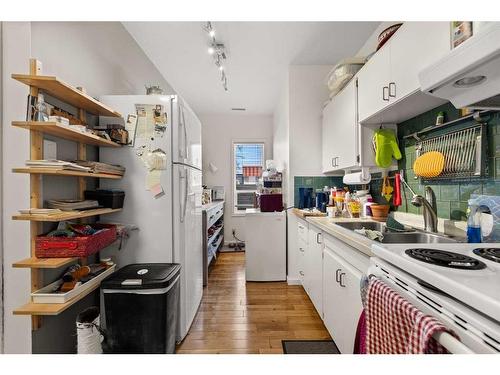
451	196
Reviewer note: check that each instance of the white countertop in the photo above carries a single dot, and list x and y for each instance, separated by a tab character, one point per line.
257	211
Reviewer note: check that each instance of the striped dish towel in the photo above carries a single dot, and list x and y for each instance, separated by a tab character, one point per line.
395	326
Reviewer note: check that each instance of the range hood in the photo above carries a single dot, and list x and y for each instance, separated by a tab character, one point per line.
468	76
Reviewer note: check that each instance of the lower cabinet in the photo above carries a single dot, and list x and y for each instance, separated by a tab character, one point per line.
313	268
341	299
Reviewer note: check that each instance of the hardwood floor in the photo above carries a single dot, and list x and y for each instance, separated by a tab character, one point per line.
252	318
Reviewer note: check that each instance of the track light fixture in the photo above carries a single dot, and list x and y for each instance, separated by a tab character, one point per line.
218	52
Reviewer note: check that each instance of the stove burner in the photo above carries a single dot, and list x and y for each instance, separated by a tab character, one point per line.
490	253
445	259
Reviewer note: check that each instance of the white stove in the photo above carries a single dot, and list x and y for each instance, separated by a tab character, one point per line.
461	286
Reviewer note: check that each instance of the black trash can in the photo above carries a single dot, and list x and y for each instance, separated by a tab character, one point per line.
141	303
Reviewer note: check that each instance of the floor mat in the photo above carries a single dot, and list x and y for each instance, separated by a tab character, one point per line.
309	347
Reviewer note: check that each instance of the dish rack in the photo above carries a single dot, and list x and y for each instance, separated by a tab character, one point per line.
463	150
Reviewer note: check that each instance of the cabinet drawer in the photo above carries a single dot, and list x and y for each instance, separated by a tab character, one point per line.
347	252
302	229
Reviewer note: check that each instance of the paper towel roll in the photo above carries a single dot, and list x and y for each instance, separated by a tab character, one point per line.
357	178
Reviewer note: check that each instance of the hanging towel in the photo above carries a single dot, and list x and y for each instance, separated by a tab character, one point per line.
386	147
395	326
360	339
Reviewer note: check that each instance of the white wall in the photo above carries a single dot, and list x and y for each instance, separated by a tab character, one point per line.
1	218
218	133
281	149
103	58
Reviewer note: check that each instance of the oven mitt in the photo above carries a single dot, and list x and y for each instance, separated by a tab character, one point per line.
386	147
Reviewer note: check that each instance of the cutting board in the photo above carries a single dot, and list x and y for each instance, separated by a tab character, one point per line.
305	213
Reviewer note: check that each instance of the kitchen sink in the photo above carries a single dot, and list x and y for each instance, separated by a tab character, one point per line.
416	237
371	225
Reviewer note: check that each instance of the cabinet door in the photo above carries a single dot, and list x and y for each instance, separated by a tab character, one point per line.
346	126
340	130
414	46
313	275
372	78
328	137
342	301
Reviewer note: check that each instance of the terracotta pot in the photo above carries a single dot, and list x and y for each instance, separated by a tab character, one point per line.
380	211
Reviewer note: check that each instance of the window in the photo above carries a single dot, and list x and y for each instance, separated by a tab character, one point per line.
248	163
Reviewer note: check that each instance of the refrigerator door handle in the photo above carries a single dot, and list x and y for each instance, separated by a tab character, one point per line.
183	152
183	200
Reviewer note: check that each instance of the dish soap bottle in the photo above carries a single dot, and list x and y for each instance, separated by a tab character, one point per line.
474	223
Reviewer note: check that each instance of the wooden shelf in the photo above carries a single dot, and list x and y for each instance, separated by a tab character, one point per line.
70	215
65	173
66	132
68	94
47	263
51	308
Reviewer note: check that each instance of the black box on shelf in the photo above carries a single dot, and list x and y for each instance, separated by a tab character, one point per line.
109	198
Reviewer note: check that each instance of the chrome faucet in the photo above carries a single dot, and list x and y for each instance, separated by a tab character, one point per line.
429	210
428	204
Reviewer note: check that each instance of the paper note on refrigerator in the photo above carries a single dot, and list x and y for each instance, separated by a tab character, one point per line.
152	179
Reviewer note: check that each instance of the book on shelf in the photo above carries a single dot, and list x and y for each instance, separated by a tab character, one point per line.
73	204
40	211
56	165
99	167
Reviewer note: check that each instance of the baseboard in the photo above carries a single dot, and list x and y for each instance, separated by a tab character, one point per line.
293	281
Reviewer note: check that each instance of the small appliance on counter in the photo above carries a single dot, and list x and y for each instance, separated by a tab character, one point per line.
305	198
218	193
269	196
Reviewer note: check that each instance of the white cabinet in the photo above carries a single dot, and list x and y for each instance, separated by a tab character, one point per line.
313	268
391	75
372	78
340	130
341	300
302	234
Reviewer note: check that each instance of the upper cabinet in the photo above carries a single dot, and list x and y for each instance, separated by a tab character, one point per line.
390	77
340	130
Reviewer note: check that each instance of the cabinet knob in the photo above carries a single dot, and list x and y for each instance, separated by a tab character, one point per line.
392	89
301	273
301	249
385	93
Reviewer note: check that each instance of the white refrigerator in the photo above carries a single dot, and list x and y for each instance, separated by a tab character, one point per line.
170	225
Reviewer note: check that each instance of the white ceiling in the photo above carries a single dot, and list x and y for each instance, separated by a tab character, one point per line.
258	56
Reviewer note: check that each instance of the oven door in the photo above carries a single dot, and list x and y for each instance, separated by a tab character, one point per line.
477	333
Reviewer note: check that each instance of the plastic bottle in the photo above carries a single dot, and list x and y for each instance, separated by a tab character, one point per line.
474	223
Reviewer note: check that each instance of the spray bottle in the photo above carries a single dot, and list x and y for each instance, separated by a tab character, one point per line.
474	223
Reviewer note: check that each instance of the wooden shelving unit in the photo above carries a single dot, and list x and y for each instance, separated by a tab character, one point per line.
66	132
68	94
56	88
51	308
70	215
44	263
52	172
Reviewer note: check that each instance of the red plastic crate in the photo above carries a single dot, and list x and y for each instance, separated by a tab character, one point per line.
81	246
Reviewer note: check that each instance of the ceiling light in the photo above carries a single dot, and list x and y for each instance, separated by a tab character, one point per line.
469	81
218	52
